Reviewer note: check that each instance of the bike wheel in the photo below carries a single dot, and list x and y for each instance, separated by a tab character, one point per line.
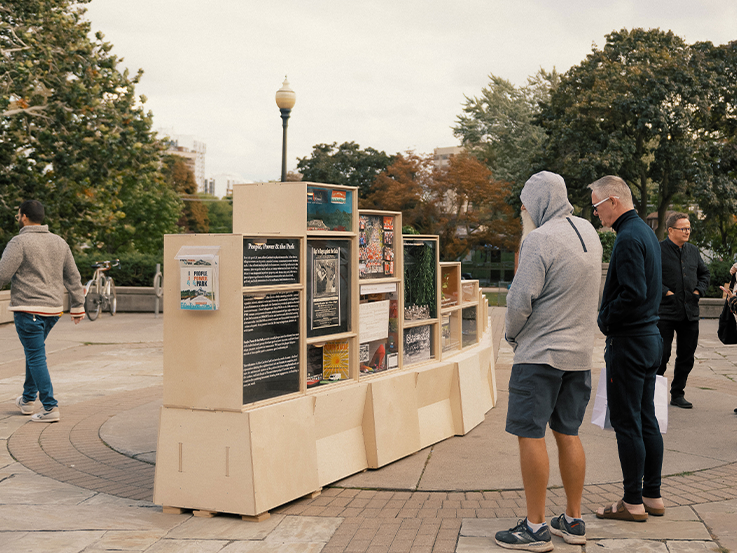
112	296
93	300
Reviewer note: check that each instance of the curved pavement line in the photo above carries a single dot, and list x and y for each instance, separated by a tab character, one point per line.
71	451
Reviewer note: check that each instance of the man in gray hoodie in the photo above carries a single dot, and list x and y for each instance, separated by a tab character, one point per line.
550	324
39	266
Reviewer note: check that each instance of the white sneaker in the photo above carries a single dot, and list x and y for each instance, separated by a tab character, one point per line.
52	415
26	408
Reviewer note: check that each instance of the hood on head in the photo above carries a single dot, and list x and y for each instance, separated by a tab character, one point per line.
545	197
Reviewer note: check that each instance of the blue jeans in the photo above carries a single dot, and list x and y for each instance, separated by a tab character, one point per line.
631	365
32	331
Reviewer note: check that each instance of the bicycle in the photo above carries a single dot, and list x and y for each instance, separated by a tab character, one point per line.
100	291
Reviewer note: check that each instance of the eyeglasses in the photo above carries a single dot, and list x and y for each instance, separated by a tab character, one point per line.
684	230
597	204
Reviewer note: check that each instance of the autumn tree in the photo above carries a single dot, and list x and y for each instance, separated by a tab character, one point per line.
461	203
628	109
346	165
74	135
181	179
470	208
404	186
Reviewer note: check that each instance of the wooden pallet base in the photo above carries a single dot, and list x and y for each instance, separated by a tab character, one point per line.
203	513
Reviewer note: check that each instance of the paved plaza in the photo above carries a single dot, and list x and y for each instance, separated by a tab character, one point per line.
86	483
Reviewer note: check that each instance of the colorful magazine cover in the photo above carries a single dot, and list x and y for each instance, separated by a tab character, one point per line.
335	361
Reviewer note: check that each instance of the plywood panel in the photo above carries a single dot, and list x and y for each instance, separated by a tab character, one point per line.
270	208
283	451
391	423
203	362
338	416
471	396
434	409
203	461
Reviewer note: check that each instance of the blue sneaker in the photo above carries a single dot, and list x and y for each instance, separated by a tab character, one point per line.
523	538
574	533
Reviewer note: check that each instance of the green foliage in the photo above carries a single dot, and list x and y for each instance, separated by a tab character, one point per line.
180	178
499	127
74	136
406	229
219	212
136	269
607	243
345	165
719	275
631	109
420	276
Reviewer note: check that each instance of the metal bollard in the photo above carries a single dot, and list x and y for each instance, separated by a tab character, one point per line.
157	289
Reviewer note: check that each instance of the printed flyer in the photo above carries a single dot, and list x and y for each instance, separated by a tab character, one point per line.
335	361
325	289
198	277
417	344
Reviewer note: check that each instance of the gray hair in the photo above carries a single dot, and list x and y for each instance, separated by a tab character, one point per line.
612	186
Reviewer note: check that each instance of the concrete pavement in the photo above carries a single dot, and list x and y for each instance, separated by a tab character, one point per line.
85	484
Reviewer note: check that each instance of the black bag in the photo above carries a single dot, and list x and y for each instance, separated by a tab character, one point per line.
727	331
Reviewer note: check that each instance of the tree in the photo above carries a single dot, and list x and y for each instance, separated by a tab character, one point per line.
74	135
499	127
404	186
716	181
470	208
461	202
219	213
628	109
346	165
181	179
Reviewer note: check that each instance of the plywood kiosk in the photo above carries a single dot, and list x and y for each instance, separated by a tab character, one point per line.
312	343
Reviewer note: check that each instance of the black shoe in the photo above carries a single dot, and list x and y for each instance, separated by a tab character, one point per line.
680	401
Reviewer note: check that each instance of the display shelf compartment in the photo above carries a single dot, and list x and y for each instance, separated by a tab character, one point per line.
379	244
450	279
419	344
469	326
469	291
421	284
450	331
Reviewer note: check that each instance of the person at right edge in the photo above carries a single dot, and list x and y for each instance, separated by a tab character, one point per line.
685	280
628	317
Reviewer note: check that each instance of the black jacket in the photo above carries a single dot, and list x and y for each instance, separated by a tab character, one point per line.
631	296
683	272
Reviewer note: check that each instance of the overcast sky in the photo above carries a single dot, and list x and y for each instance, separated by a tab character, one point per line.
390	74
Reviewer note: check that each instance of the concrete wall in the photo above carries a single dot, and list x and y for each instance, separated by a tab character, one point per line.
140	299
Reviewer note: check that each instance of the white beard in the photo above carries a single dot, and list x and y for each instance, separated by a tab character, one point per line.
527	225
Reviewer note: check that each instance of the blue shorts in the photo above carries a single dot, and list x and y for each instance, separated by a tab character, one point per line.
541	394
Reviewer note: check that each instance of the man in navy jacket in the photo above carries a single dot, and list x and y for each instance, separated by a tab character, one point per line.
685	279
629	319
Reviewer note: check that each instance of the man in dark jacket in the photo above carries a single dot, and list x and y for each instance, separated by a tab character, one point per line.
629	319
685	279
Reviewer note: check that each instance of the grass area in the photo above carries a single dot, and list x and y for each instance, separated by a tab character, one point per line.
496	299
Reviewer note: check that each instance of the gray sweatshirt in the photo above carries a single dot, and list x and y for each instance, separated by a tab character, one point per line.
552	303
39	266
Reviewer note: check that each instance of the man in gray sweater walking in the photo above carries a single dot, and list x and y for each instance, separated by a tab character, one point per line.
550	324
39	265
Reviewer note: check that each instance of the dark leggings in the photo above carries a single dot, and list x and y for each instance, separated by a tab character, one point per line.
632	363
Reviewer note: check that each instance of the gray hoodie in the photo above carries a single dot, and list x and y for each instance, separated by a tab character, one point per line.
39	266
552	303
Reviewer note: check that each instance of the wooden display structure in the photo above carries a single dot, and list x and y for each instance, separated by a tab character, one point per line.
246	424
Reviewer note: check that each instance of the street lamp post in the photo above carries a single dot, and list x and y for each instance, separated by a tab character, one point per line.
285	99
